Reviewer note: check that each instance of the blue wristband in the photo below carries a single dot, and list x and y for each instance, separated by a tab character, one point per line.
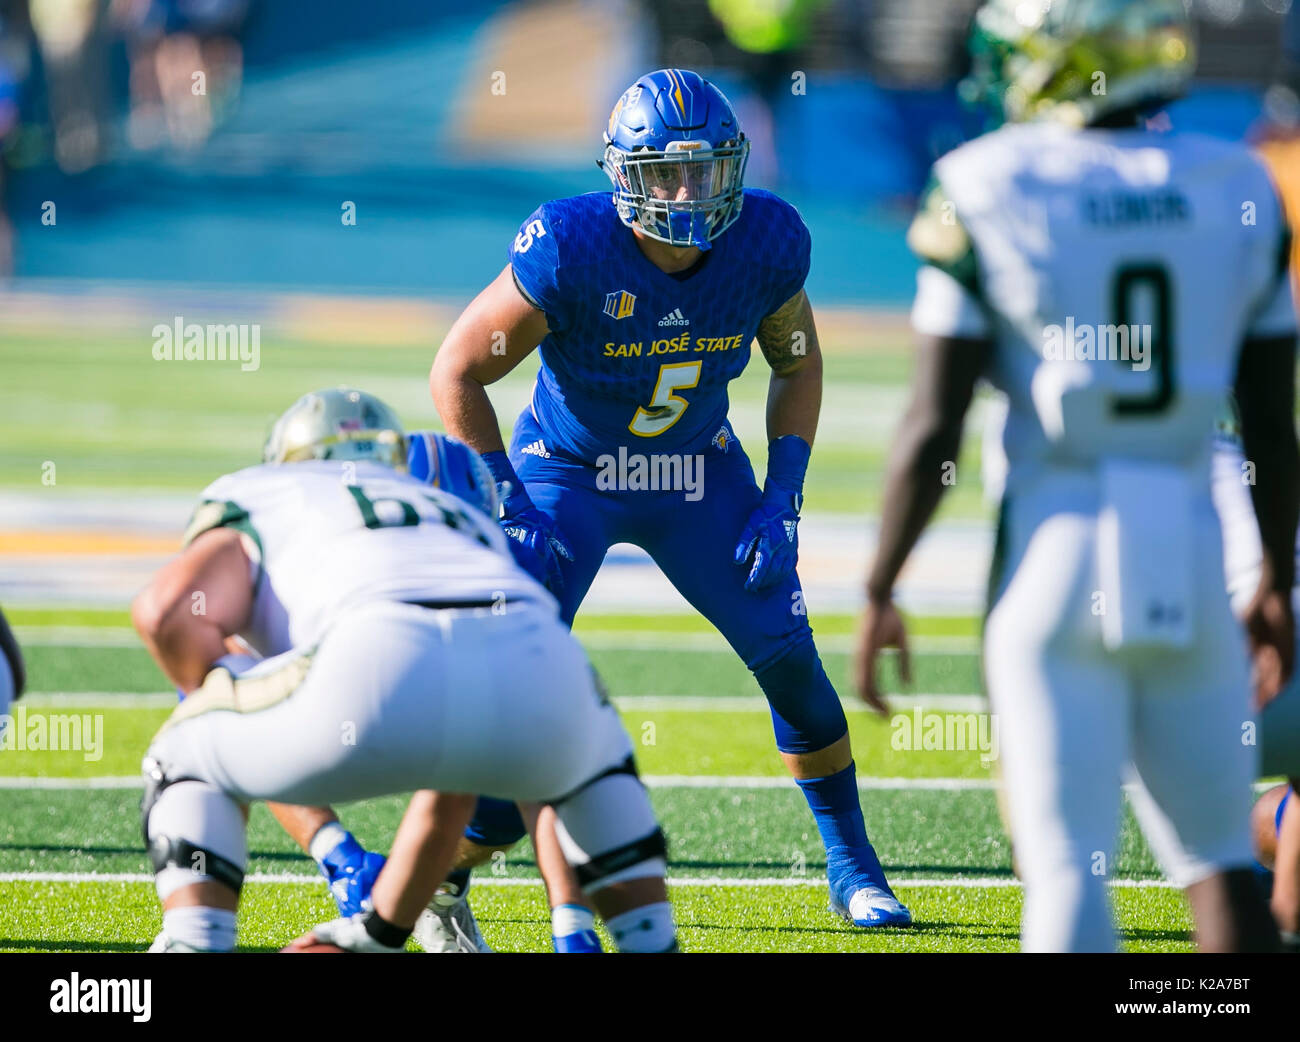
787	463
514	497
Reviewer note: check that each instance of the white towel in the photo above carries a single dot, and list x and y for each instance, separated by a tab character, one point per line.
1145	555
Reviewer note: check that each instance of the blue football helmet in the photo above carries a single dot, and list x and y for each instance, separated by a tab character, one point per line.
676	155
449	464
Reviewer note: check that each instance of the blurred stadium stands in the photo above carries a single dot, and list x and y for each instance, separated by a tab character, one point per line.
447	123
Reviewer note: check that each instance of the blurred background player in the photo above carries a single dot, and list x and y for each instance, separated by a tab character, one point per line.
14	64
1278	735
1275	819
13	673
645	307
72	39
1081	217
1279	129
186	67
768	41
390	668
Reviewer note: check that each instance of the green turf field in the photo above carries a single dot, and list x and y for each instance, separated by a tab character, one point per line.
111	417
746	864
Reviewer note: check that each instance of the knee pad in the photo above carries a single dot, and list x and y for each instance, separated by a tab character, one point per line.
806	711
608	832
194	832
496	823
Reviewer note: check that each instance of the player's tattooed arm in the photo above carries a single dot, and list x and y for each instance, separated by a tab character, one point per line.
788	336
788	340
498	330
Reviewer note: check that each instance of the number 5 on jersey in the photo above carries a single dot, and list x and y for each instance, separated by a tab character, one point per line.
666	408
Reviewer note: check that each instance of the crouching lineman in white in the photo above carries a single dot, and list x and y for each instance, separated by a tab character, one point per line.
405	651
1109	638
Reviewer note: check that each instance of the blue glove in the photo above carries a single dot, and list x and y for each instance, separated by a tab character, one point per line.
769	543
351	871
534	542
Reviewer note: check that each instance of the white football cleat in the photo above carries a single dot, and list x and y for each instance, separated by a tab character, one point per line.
872	906
447	926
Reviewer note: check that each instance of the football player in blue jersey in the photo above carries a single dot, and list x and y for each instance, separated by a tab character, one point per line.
644	307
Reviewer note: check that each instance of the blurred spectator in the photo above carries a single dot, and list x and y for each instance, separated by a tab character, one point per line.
768	36
14	67
74	52
186	67
1279	135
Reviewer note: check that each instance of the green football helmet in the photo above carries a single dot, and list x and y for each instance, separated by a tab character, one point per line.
337	424
1077	61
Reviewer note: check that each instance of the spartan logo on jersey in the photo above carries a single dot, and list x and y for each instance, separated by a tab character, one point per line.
675	318
619	304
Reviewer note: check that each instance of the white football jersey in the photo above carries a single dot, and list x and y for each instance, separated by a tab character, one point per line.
1117	272
326	536
1230	480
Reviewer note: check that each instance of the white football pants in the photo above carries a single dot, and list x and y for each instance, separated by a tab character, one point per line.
399	697
1073	716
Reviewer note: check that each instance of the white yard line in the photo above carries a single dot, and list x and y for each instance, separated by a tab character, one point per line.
958	703
667	640
98	699
653	781
79	636
125	781
707	781
633	640
484	880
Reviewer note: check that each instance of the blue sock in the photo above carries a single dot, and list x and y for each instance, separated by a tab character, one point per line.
834	803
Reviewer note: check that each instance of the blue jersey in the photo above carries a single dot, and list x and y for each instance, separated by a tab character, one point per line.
636	356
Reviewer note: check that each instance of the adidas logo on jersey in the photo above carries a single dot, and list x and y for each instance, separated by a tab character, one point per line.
537	448
675	318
